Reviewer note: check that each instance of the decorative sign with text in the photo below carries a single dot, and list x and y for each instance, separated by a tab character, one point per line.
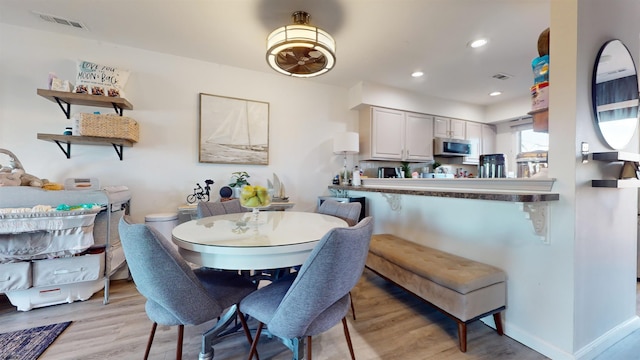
99	79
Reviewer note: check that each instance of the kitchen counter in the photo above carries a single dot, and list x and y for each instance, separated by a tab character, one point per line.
510	190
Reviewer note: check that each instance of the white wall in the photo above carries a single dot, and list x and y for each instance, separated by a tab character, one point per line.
606	219
162	169
367	93
508	110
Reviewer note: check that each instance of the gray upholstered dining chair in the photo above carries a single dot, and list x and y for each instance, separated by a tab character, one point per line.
349	212
176	294
212	208
296	308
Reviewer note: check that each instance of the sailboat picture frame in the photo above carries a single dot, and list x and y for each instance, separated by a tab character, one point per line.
233	130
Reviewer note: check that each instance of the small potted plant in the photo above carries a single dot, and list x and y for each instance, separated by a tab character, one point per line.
406	168
238	180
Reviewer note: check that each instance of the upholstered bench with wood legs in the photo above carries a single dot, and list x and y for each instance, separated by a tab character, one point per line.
464	289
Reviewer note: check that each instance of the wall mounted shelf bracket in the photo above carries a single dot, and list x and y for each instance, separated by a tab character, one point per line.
66	152
67	109
64	142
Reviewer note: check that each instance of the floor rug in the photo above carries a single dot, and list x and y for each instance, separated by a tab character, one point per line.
29	344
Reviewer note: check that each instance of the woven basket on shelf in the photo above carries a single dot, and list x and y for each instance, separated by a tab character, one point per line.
107	125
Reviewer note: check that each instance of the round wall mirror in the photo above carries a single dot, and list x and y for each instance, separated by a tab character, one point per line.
615	94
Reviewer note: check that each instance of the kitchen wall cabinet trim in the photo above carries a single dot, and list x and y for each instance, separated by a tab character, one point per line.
67	140
629	175
63	98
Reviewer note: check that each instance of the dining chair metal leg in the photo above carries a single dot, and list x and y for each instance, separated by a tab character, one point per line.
348	337
150	341
247	332
254	344
353	310
179	345
245	327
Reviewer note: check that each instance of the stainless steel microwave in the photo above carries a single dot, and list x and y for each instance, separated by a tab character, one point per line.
451	147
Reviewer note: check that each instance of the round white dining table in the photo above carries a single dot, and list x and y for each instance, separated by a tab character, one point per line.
273	240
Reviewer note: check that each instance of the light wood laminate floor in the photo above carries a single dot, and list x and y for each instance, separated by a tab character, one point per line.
391	324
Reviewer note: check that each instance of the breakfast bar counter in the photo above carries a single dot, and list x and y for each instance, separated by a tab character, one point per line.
510	190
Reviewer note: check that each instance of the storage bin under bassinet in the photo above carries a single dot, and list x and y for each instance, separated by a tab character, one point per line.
29	236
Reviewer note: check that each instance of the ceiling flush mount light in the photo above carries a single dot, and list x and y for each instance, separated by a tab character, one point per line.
417	74
478	43
301	50
495	93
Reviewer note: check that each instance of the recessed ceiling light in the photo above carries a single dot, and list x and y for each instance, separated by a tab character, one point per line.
495	93
417	74
478	43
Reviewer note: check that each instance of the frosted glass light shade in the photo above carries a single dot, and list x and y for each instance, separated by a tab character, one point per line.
346	143
301	50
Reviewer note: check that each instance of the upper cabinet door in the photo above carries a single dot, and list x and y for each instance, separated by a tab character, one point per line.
457	129
418	137
474	135
387	134
448	128
440	127
488	139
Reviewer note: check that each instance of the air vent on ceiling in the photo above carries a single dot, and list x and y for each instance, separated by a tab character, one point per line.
502	76
61	21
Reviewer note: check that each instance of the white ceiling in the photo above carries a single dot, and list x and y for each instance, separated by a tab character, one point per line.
379	41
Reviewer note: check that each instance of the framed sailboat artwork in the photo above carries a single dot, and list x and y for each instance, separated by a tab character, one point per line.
233	131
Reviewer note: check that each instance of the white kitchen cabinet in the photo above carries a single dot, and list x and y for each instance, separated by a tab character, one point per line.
387	134
473	133
448	128
418	137
488	139
440	127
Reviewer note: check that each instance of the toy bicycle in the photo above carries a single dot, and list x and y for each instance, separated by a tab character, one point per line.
199	193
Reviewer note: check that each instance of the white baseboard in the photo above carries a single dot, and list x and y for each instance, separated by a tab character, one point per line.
599	345
535	343
588	352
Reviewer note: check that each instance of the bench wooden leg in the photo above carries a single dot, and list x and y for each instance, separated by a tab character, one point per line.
462	336
498	320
